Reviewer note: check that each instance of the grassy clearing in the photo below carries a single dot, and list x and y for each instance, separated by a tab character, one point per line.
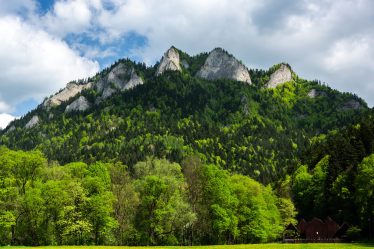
255	246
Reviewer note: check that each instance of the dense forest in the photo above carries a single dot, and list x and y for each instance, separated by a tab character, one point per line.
159	203
186	160
336	176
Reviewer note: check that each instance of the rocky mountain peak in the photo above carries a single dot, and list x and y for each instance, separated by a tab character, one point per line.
351	105
313	93
281	75
221	65
80	104
169	62
32	122
120	78
71	90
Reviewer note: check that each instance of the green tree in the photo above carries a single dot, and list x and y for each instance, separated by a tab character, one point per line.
21	205
303	197
259	219
219	205
163	214
99	205
125	205
364	195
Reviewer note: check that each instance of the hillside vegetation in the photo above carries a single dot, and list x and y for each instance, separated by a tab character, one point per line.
177	159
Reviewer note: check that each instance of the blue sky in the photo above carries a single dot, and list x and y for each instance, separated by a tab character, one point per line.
45	5
45	44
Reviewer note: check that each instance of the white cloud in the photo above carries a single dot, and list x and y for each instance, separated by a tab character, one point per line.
4	107
34	64
322	39
348	53
17	7
68	17
192	25
352	59
5	119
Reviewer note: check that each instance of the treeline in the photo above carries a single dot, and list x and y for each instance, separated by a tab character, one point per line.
246	129
157	203
337	178
265	134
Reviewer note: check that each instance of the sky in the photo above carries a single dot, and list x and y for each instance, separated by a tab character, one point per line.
45	44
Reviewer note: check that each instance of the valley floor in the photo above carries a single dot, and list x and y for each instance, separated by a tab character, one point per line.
251	246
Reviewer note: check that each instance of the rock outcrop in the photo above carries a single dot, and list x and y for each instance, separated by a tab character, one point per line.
281	75
32	122
10	129
81	104
221	65
71	90
169	62
313	93
120	78
351	105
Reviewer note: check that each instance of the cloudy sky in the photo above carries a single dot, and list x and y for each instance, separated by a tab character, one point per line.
45	43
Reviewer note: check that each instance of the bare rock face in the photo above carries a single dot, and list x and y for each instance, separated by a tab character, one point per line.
80	104
10	129
120	78
71	90
245	107
282	75
108	92
351	105
221	65
169	62
33	122
315	93
312	93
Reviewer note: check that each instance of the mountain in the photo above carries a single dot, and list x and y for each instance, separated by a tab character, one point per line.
256	122
335	176
220	65
193	150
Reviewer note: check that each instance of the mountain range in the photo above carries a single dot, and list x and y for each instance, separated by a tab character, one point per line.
186	104
309	144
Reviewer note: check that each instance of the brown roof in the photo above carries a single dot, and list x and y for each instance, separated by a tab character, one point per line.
317	229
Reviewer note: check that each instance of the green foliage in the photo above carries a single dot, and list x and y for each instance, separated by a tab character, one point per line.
258	216
53	205
354	233
159	204
242	128
112	190
339	181
230	208
164	213
364	195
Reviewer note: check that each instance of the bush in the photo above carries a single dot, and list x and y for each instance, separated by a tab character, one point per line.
353	233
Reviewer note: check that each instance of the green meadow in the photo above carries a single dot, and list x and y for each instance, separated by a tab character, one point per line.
250	246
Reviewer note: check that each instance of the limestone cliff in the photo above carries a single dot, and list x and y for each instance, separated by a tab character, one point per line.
71	90
32	122
221	65
313	93
80	104
351	105
281	75
169	62
120	78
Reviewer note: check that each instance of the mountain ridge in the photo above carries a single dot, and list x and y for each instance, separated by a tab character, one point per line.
122	76
227	120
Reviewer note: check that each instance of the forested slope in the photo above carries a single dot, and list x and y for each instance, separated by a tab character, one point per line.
245	128
237	150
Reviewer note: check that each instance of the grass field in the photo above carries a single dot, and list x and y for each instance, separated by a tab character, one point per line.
255	246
